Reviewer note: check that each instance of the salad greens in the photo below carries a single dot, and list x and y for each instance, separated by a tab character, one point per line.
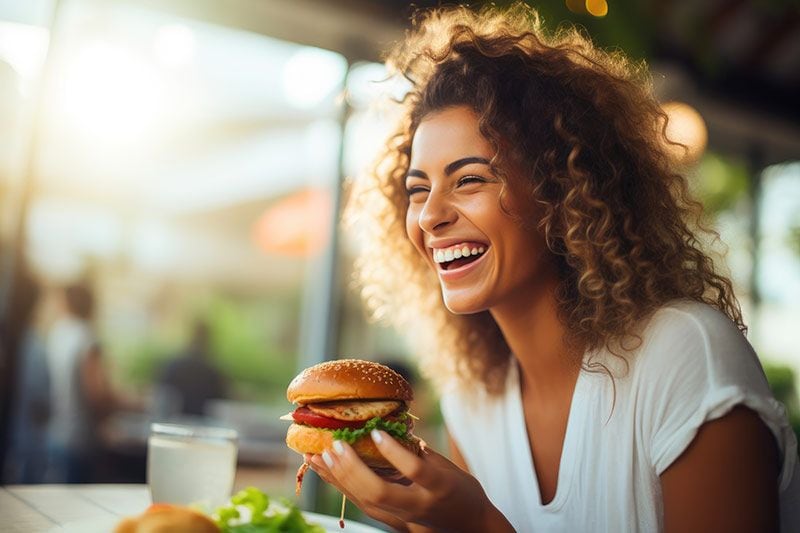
395	429
251	511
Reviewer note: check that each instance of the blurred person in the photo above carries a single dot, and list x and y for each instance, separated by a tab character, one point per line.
81	395
527	224
27	455
191	376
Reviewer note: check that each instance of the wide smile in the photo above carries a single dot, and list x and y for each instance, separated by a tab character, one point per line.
457	261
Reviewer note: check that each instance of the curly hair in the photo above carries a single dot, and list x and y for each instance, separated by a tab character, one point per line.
586	140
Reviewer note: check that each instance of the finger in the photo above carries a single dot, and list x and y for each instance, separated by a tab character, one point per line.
386	517
318	466
359	480
315	461
410	465
394	476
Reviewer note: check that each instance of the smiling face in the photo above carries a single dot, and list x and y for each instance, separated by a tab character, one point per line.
483	257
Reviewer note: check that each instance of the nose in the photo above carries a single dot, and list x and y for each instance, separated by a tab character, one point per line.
437	212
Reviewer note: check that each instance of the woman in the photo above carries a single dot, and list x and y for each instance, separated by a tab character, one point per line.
527	221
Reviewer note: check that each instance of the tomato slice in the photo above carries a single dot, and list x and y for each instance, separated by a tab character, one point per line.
304	415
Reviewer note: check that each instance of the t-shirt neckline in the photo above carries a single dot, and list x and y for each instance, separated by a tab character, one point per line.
523	445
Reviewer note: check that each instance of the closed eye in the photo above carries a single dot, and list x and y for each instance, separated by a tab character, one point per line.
470	179
411	191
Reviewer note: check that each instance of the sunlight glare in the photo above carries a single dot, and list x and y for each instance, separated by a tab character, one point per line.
174	45
109	93
24	47
310	75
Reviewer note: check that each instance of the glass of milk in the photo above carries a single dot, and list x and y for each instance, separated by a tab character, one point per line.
191	464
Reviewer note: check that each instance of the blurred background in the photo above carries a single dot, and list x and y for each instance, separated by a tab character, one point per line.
171	177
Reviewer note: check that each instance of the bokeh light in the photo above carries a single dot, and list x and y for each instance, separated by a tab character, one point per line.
687	127
598	8
296	226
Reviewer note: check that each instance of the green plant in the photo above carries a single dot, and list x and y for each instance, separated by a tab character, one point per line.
253	341
781	380
719	182
248	345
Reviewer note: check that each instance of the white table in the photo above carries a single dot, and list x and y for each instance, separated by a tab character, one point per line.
49	508
40	508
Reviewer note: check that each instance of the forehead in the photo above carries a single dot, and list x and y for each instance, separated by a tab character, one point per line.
445	136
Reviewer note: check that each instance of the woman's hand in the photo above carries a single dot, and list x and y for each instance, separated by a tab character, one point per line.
440	495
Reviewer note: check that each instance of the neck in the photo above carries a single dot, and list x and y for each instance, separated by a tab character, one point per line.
535	334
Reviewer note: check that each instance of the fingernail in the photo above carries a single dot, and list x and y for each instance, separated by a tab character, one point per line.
376	436
337	447
327	458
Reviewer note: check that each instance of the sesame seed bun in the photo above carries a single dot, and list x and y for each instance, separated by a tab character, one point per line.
348	379
307	439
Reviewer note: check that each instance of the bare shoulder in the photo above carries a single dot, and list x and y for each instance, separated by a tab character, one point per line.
726	480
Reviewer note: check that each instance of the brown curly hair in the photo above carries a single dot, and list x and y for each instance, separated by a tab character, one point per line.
585	139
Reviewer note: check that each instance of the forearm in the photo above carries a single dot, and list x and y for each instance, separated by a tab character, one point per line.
495	521
492	520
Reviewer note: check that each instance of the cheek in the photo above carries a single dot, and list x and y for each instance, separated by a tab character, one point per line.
410	223
413	231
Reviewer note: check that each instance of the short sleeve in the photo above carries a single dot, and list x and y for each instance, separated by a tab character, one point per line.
695	367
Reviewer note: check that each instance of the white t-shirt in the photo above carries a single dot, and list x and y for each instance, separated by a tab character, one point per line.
692	367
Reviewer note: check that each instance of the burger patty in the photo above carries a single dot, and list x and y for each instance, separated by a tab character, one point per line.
355	410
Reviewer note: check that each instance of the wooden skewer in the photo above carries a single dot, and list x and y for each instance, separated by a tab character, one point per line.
341	516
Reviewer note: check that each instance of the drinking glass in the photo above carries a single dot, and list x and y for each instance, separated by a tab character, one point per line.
191	464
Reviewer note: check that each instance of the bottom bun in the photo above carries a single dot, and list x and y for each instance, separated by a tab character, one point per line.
307	439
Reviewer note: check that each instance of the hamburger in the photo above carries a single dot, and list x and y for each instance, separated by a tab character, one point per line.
345	400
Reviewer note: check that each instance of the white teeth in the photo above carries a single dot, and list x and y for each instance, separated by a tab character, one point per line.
444	256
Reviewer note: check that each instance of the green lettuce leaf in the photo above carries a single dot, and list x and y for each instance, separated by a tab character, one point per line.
265	518
398	429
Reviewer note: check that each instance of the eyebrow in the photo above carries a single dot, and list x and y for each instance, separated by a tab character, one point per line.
451	167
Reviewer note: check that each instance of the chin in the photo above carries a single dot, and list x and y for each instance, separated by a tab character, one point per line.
463	304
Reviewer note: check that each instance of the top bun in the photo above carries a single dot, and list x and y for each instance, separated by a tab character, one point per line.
348	379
